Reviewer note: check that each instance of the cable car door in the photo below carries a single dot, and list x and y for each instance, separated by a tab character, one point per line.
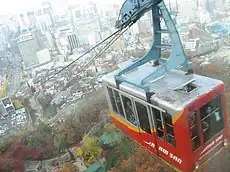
164	131
146	131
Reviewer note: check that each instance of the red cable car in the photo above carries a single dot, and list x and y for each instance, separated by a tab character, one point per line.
185	121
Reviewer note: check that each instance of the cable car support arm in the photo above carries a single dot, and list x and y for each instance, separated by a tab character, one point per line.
132	11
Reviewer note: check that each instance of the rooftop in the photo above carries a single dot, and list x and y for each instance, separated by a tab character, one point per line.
26	37
174	88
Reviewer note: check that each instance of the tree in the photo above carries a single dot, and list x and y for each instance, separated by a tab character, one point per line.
141	160
60	142
29	111
90	149
15	156
44	142
50	110
43	128
44	99
4	89
67	168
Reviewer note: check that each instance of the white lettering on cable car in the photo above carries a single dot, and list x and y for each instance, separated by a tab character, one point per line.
172	156
214	142
150	144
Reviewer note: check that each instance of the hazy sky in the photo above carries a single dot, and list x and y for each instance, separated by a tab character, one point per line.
17	6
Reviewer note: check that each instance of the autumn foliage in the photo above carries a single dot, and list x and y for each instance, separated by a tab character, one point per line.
3	89
45	142
90	149
141	161
15	156
67	168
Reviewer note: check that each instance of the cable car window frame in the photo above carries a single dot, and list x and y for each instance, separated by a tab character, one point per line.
117	107
156	124
124	109
220	108
152	118
112	102
120	111
150	106
196	126
135	100
166	126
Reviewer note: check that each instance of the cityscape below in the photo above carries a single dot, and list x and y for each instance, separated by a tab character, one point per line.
45	85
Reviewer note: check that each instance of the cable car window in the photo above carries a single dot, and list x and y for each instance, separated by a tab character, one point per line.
169	128
112	100
129	111
142	113
212	121
118	102
159	123
193	127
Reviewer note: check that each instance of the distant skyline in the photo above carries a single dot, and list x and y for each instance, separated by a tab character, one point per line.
10	7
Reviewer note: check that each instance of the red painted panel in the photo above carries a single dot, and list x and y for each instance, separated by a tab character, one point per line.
148	141
206	150
183	143
163	149
169	154
182	156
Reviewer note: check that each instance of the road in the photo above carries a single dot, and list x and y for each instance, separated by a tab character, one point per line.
14	82
15	70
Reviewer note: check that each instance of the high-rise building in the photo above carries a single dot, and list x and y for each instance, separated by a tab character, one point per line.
73	40
38	12
23	22
48	12
32	18
86	21
39	38
220	4
13	24
41	24
210	6
145	25
4	33
197	4
186	8
28	46
49	40
172	5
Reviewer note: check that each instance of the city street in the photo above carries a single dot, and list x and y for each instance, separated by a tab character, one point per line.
14	69
14	82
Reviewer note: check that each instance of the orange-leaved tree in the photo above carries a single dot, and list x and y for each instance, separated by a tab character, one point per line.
67	168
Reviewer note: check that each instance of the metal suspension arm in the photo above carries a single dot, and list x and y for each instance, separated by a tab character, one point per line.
131	11
177	57
154	53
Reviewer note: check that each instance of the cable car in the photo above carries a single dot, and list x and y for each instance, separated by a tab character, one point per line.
184	122
160	103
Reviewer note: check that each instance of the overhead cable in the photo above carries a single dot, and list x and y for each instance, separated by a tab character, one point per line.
115	36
